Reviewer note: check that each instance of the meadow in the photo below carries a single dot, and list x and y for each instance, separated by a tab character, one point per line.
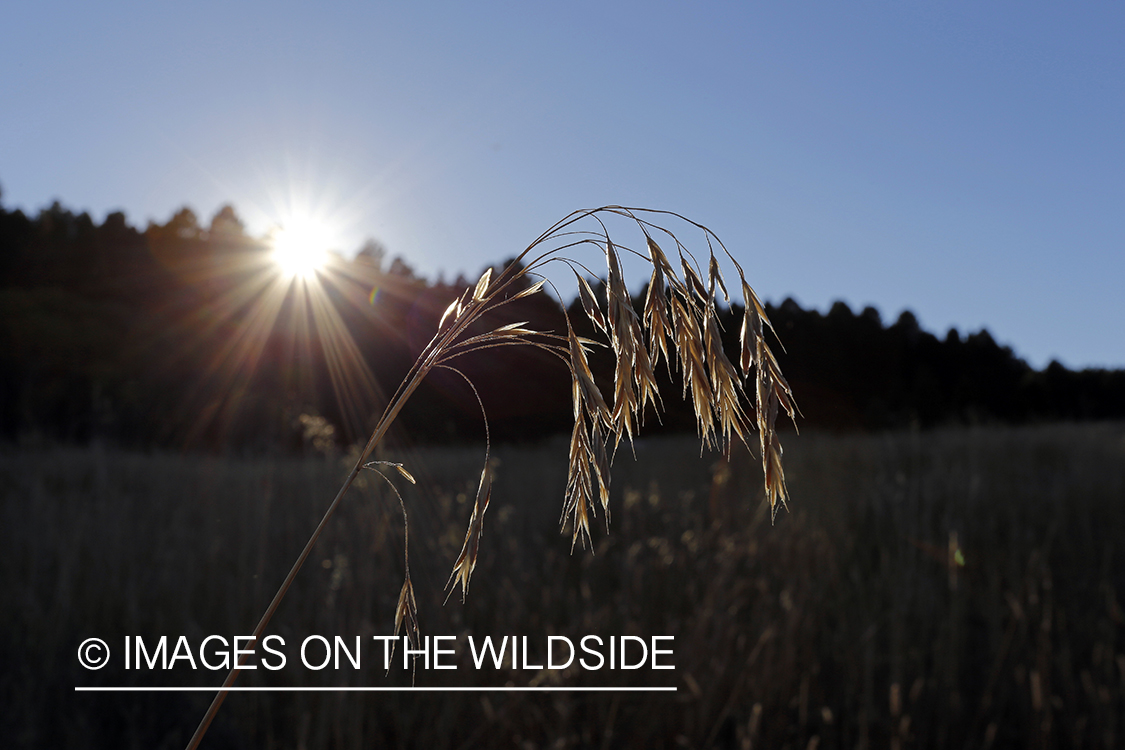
957	588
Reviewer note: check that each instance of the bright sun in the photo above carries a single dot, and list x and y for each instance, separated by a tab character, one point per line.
300	247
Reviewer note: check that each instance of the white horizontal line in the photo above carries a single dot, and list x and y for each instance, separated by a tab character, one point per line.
376	689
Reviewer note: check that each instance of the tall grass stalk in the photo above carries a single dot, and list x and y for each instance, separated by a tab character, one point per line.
678	322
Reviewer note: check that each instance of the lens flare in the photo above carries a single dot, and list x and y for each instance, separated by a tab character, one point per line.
273	315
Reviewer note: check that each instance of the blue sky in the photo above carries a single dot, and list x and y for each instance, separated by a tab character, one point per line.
964	160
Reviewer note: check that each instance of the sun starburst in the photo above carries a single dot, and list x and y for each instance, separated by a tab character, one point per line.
300	246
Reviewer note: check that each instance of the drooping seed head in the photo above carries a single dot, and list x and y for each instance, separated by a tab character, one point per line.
467	560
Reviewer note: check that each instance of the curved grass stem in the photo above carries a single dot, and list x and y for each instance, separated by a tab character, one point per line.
380	431
678	321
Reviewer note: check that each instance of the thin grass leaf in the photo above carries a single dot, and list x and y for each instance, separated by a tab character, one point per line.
530	290
482	285
590	304
467	560
715	275
656	318
691	278
586	390
399	467
514	328
450	315
406	613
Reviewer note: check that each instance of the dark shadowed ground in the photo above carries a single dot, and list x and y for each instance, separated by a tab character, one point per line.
850	622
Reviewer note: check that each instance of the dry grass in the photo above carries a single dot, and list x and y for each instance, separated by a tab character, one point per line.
845	623
678	308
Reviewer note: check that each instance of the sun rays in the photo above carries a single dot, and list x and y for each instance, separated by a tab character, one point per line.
273	315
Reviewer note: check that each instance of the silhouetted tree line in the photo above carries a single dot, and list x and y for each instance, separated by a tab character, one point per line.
183	334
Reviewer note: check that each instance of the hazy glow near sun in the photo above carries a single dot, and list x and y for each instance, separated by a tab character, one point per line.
300	246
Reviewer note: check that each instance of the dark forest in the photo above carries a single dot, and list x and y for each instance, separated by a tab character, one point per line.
141	337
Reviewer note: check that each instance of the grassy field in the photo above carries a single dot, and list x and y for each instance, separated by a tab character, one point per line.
849	623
